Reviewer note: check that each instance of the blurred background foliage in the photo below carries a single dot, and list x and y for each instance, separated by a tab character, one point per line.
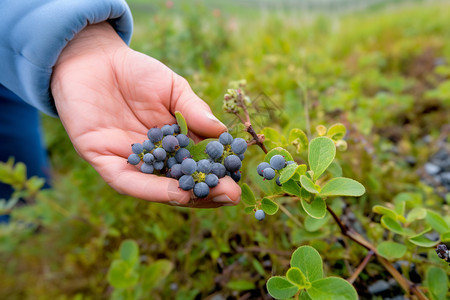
381	69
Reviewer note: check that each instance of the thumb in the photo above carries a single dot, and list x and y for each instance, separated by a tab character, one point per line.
197	113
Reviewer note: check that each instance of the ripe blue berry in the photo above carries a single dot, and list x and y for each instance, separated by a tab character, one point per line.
148	145
155	135
167	130
134	159
238	146
269	173
201	190
241	157
181	154
236	176
183	140
260	215
225	138
147	168
186	182
211	180
277	162
171	161
261	168
204	166
277	181
148	158
159	165
137	148
214	149
232	163
176	128
188	166
290	162
175	171
218	169
170	143
159	154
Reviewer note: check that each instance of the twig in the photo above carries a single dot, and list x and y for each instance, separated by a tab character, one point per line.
361	267
288	213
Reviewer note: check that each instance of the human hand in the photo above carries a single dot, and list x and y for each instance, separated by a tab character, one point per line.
108	96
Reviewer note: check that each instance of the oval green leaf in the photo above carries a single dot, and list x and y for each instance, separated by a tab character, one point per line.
247	195
392	225
321	153
308	185
313	224
445	237
287	172
129	251
268	206
337	131
342	186
296	277
298	138
422	241
437	283
417	213
121	275
280	288
308	260
437	222
391	250
198	150
181	121
291	187
382	210
316	209
332	288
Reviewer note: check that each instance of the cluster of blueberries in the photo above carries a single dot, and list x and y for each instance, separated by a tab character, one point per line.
269	171
165	153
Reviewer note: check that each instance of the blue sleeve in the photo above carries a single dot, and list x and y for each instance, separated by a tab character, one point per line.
34	32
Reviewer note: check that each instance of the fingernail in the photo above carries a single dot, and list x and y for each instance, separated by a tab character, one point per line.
174	202
213	118
222	199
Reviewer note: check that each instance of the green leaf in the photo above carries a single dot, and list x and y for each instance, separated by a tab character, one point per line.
332	288
445	237
296	276
247	195
240	285
198	150
268	206
308	185
298	139
121	275
335	169
391	250
437	222
278	150
422	241
271	134
382	210
301	170
342	186
249	209
437	283
316	209
129	251
181	121
288	172
280	288
337	131
291	187
321	153
308	260
313	224
417	213
155	273
392	225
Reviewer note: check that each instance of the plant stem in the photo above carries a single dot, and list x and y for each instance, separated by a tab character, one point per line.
283	209
361	267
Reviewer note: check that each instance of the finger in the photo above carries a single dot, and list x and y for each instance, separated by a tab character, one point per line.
197	113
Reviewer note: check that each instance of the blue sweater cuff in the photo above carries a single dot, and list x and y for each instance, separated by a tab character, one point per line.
33	33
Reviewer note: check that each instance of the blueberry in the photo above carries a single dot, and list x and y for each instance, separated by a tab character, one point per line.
159	165
186	182
159	154
261	167
147	168
290	162
175	171
148	158
137	148
134	159
167	130
204	166
181	154
277	181
155	135
211	180
201	190
225	138
277	162
241	157
269	173
170	143
236	176
188	166
171	162
148	145
183	140
176	128
232	163
218	169
214	149
260	215
238	146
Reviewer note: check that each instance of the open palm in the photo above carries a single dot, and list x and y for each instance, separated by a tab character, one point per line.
108	96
